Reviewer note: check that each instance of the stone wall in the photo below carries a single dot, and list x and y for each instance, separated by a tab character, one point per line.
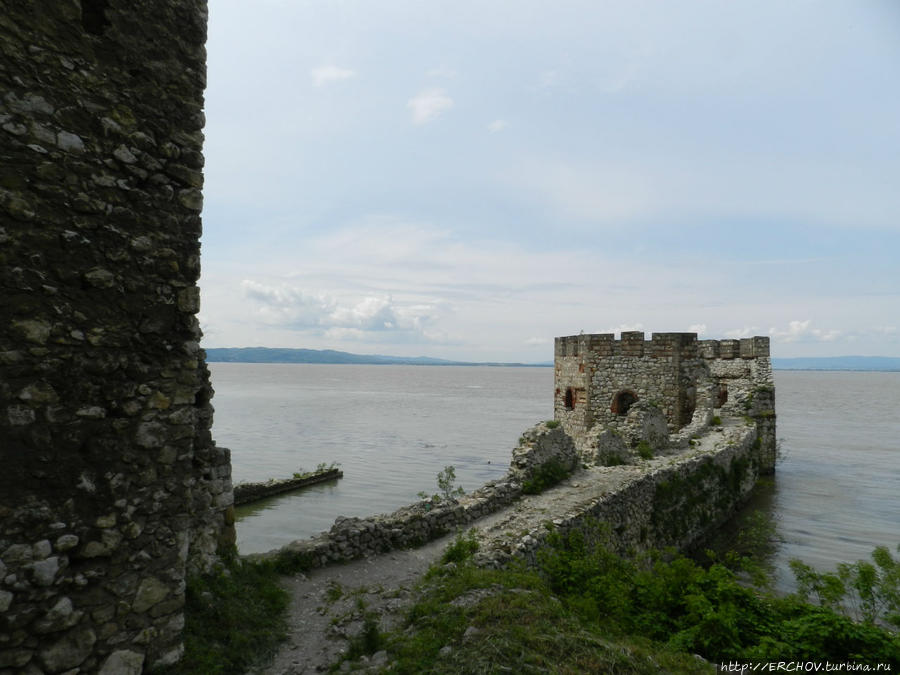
247	493
112	488
674	502
598	378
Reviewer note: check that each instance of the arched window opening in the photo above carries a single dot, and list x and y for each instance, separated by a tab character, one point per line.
723	395
623	401
570	399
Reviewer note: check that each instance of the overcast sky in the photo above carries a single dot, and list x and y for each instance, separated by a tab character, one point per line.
469	179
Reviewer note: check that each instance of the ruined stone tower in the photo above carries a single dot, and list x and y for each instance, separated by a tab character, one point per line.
111	488
598	379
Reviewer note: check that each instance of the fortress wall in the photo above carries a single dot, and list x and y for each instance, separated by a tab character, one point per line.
686	378
112	489
672	501
678	503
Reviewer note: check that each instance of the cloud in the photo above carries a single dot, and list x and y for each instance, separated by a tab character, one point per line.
745	332
327	74
802	331
497	125
698	328
429	104
293	308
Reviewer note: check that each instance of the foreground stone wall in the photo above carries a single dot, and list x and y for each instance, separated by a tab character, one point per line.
111	488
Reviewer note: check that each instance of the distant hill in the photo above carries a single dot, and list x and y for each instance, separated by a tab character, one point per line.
284	355
866	363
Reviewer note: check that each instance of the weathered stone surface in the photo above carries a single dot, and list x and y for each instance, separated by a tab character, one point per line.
68	652
123	662
150	592
100	176
605	447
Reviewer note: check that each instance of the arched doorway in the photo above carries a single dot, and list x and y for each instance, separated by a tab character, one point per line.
623	401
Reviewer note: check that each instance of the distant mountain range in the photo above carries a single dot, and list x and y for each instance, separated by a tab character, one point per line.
283	355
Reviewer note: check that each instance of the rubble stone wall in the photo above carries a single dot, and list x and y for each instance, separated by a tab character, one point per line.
597	378
112	489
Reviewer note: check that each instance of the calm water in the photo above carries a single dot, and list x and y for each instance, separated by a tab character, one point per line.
836	493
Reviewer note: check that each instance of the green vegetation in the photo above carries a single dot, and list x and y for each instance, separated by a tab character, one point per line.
716	421
462	548
613	459
446	480
370	639
584	609
644	450
322	467
552	424
234	618
861	590
545	476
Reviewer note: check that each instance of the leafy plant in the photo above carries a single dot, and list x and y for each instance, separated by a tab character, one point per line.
644	450
545	475
860	590
552	424
462	548
445	483
716	421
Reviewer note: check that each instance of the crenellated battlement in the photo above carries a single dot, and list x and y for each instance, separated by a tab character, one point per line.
660	345
599	380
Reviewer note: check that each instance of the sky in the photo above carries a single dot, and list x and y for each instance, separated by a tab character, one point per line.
470	179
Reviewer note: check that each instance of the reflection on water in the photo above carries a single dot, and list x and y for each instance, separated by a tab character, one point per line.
834	496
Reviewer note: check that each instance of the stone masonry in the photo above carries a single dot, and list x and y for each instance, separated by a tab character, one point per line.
606	385
112	489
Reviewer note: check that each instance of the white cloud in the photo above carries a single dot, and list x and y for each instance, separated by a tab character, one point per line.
745	332
293	308
698	328
327	74
429	104
497	125
802	331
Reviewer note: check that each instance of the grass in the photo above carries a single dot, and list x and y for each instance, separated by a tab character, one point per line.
519	626
716	421
234	618
552	424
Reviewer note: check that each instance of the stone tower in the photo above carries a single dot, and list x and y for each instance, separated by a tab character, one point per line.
112	489
598	379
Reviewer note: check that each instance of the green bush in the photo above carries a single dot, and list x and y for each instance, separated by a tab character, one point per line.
462	548
552	424
644	450
703	610
545	476
716	421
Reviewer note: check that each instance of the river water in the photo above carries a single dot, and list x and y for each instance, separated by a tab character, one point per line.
836	493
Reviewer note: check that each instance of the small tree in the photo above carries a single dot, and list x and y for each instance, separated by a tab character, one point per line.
445	481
